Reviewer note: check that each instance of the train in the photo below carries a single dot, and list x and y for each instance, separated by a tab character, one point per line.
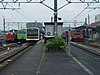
75	35
11	36
21	35
33	34
24	35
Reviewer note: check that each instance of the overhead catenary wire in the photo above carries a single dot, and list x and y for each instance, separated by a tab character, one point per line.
22	14
81	11
92	9
19	12
89	11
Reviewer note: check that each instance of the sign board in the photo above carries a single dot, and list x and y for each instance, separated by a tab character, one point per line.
49	29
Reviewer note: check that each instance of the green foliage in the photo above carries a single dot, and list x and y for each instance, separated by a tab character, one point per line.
56	44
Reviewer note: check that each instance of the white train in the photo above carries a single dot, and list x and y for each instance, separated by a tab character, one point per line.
33	34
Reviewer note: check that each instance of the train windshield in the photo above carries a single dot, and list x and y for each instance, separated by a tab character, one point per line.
32	32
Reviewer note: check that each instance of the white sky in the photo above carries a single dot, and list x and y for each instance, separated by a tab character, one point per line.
40	13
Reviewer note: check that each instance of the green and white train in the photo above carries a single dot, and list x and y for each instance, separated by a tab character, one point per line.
21	35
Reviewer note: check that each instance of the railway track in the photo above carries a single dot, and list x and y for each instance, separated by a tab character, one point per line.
91	48
8	56
92	45
8	45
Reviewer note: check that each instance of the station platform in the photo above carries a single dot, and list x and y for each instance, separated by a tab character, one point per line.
35	62
59	63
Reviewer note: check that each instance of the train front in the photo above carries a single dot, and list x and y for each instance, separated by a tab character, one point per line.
9	37
33	35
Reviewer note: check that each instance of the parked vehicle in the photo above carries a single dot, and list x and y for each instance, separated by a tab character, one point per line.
11	36
32	34
15	35
21	35
77	36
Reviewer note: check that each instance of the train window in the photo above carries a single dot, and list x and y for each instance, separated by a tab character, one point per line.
32	32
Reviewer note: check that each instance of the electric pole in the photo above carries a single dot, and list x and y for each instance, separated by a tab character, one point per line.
55	17
74	23
3	26
88	19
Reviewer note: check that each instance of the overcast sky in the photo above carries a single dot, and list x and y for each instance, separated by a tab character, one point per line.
40	13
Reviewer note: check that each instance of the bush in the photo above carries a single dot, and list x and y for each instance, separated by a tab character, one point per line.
55	44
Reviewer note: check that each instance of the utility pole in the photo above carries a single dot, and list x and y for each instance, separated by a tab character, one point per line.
88	19
3	26
85	23
18	26
55	17
74	23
